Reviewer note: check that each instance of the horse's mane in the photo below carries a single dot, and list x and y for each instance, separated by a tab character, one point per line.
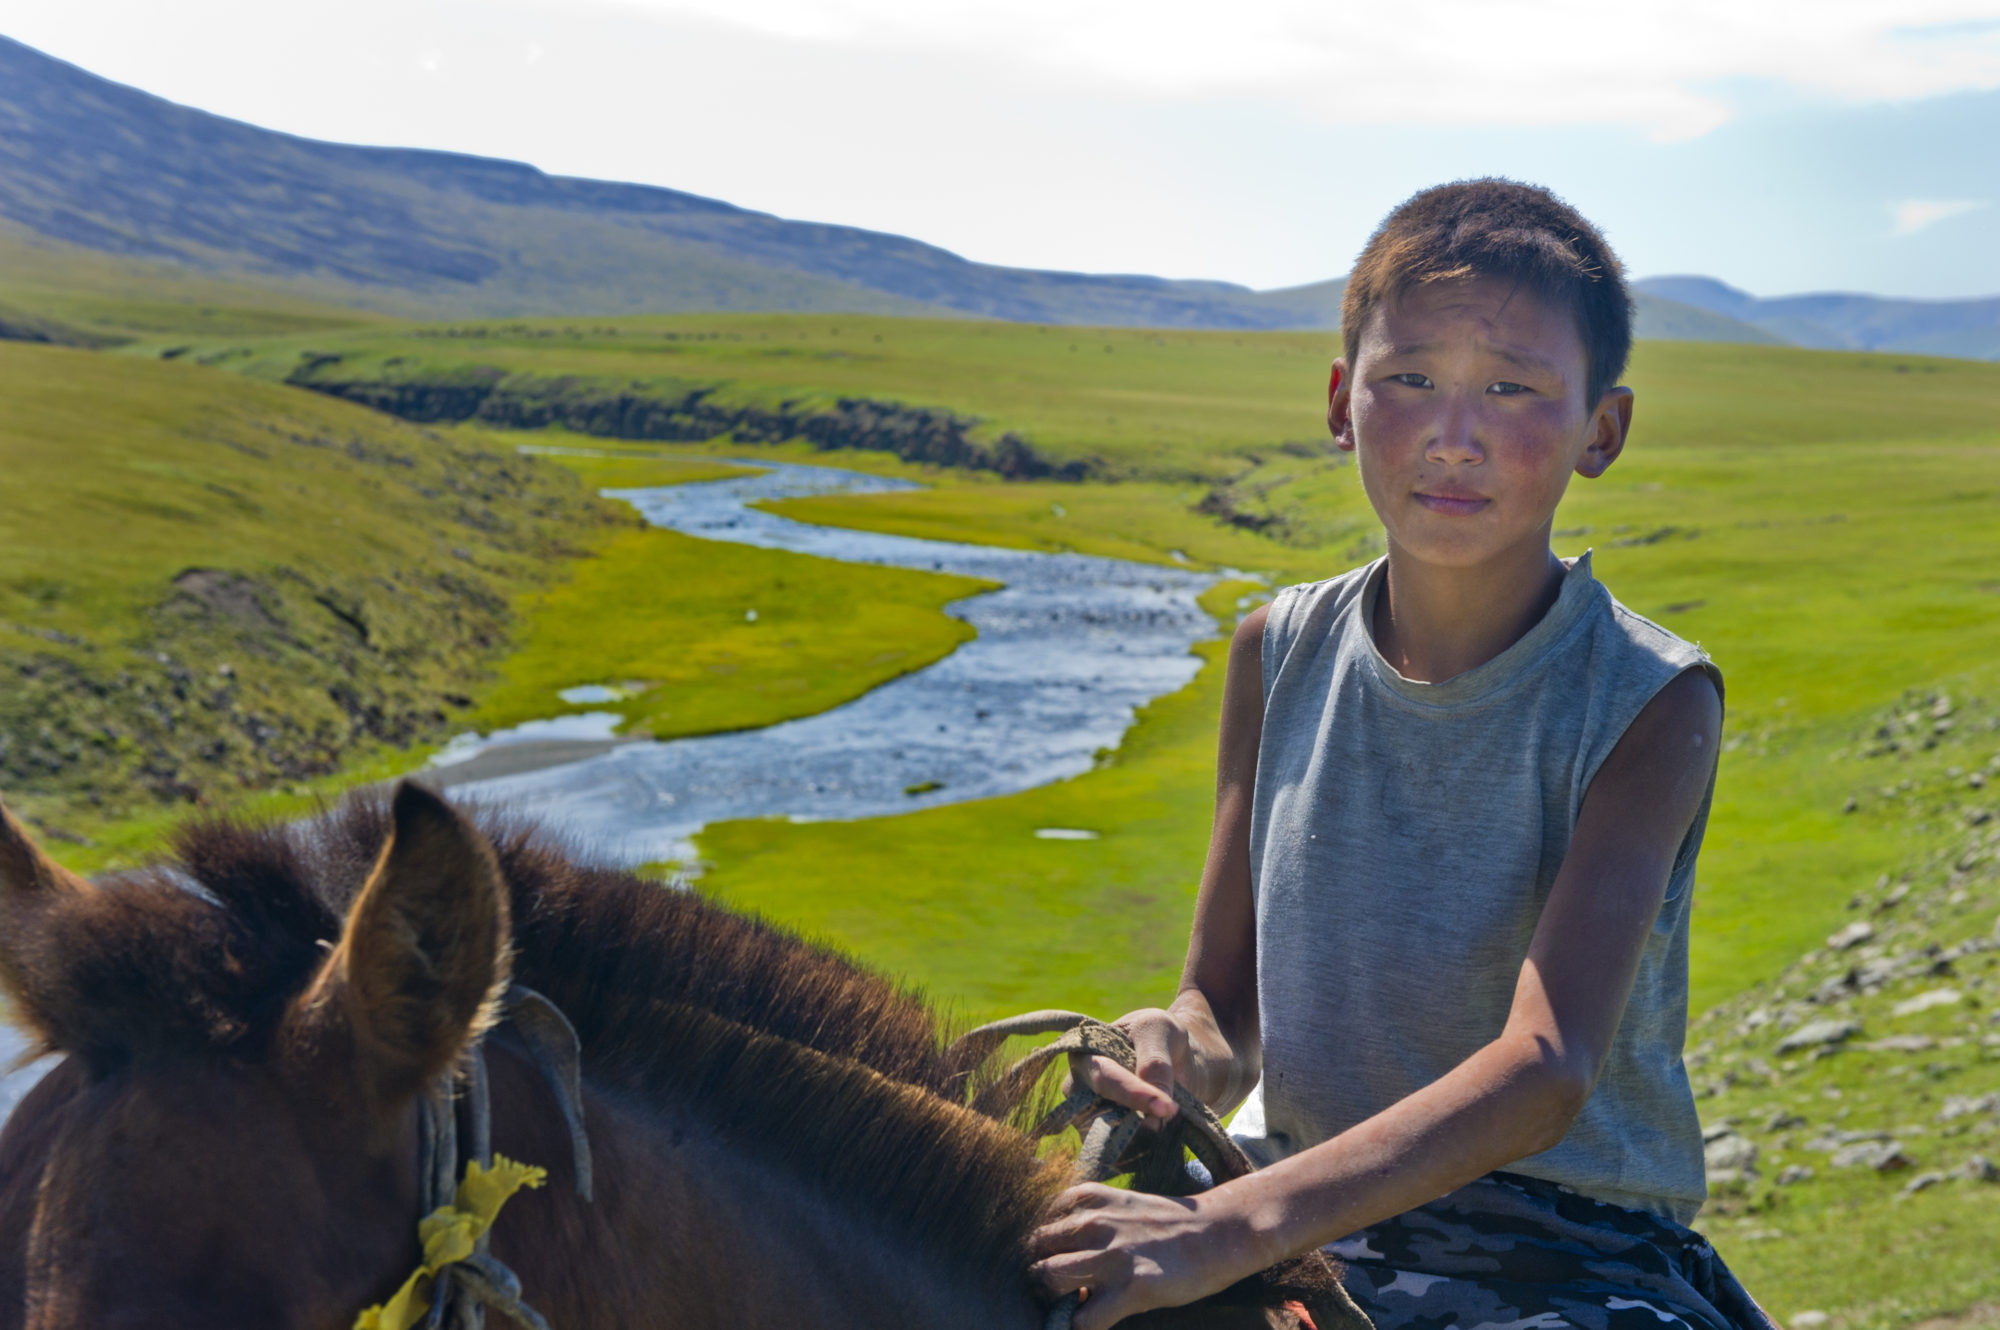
791	1052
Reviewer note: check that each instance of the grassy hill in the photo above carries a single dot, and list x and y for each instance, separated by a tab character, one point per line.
212	585
67	295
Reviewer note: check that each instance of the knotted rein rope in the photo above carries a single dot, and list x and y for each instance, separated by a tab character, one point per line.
1114	1128
461	1290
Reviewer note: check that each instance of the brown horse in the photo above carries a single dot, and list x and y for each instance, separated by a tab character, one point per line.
232	1136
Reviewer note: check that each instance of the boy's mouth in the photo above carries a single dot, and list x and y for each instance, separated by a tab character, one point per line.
1455	503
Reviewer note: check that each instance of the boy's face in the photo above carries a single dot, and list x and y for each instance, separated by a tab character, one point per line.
1465	409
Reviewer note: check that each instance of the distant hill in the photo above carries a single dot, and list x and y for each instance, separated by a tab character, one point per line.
106	167
213	222
1969	328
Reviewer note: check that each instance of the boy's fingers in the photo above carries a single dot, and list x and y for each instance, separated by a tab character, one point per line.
1075	1236
1120	1086
1066	1272
1155	1059
1074	1207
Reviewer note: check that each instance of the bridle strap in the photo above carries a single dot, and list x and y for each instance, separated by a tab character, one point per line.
462	1291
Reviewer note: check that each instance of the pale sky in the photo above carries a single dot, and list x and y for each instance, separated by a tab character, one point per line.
1780	146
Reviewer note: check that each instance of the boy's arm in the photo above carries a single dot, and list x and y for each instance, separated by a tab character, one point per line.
1207	1038
1515	1097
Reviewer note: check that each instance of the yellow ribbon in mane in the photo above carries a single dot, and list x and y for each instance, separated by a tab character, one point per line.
448	1234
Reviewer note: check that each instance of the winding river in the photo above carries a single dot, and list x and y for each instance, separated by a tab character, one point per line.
1066	651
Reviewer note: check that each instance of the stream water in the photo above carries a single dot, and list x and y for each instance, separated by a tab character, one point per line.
1066	651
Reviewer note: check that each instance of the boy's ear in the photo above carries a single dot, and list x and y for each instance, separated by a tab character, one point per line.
1338	422
1608	427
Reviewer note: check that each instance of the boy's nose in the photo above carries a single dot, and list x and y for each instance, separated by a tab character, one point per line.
1455	439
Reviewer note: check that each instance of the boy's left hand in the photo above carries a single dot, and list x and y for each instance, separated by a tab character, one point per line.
1135	1251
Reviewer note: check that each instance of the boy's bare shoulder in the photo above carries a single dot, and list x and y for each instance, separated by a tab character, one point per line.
1250	630
1690	704
1658	774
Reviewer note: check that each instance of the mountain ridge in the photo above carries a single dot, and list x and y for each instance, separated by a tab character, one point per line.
1847	320
100	167
111	168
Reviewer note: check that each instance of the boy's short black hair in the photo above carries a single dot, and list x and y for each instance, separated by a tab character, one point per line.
1507	230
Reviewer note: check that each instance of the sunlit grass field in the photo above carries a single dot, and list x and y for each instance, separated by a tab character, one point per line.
697	639
1826	525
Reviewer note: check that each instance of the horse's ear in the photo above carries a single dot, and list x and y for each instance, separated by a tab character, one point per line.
32	886
423	955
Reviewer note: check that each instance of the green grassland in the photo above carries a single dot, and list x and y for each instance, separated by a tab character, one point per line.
1177	404
52	291
604	469
1827	525
700	639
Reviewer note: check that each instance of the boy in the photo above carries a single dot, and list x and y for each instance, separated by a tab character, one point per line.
1460	794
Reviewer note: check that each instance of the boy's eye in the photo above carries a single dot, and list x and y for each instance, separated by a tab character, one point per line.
1506	389
1412	379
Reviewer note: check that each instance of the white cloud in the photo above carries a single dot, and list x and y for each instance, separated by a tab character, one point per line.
1653	63
1913	215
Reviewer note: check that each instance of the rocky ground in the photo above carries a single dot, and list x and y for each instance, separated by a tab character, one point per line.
1868	1072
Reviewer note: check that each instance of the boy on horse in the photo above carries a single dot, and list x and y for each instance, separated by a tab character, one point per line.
1443	924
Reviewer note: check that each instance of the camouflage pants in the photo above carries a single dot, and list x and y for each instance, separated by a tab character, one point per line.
1515	1253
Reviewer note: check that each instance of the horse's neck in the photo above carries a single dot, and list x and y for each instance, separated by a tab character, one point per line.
687	1230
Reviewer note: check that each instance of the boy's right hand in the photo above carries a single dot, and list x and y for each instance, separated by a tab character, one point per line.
1163	1056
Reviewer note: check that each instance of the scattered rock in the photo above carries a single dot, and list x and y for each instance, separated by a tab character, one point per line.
1923	1182
1816	1034
1851	935
1810	1320
1967	1105
1901	1043
1795	1174
1937	997
1882	1156
1784	1120
1979	1169
1729	1153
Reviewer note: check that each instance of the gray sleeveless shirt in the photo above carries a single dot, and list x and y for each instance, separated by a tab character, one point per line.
1403	838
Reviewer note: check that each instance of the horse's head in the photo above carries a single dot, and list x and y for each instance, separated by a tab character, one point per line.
231	1137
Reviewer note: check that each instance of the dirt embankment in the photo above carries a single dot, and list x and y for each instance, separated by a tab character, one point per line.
490	396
